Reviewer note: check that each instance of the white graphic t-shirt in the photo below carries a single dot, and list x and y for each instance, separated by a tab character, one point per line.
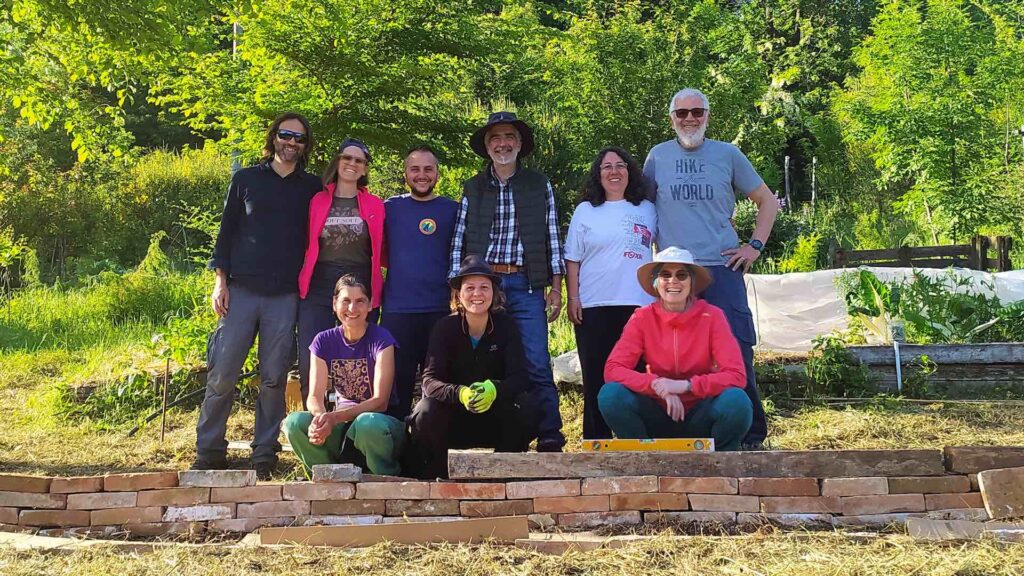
610	242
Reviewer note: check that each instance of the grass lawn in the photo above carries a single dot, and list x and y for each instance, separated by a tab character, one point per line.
767	552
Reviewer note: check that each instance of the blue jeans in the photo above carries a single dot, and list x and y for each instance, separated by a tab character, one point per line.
725	417
729	292
526	307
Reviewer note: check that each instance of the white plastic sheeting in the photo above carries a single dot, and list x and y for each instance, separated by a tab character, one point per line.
791	309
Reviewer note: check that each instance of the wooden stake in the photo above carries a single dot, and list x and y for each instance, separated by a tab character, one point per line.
163	414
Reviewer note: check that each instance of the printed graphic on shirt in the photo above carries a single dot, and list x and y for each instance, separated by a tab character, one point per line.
351	378
638	237
345	238
691	181
428	226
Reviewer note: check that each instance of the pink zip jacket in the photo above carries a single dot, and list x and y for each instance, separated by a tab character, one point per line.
695	345
371	210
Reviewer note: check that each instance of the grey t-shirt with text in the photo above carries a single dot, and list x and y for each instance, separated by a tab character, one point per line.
696	196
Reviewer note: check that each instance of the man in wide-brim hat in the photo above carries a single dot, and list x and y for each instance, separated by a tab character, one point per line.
507	216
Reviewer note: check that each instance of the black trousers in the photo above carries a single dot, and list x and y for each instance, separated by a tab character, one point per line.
509	426
412	332
595	337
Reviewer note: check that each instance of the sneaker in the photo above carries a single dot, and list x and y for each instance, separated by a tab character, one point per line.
209	464
264	469
549	446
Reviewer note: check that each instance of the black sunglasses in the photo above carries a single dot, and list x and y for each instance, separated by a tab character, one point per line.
288	136
681	113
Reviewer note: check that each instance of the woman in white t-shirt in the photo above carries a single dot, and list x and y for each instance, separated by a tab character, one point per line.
610	237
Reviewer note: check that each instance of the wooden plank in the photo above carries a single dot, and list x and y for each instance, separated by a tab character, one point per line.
974	459
998	353
503	529
780	464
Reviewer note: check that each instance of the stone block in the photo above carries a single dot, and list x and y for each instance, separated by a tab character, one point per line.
787	520
8	515
102	500
467	490
115	516
156	529
273	509
542	489
246	525
24	483
541	521
174	497
495	508
419	519
868	486
421	507
598	519
139	481
33	500
874	520
57	518
779	486
318	491
952	501
1003	492
619	485
570	504
249	494
723	518
974	459
337	473
76	484
393	490
338	520
217	478
699	485
651	501
882	504
968	514
801	505
724	503
347	507
199	513
929	484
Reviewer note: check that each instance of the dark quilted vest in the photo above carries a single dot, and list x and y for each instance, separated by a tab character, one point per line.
529	194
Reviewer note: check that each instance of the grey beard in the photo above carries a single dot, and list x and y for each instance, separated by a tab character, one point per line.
691	140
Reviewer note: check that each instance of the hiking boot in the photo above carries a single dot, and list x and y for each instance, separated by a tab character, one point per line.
549	446
264	469
209	464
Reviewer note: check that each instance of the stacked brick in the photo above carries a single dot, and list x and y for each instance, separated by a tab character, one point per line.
158	503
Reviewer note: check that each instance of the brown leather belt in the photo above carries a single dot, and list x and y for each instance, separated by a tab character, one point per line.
504	268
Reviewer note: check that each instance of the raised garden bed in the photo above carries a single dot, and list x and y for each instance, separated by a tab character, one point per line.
961	370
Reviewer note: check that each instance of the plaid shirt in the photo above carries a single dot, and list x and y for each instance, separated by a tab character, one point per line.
506	246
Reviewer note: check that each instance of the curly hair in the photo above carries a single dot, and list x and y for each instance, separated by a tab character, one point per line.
638	188
268	145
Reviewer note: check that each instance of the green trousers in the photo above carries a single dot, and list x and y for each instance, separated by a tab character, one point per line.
379	437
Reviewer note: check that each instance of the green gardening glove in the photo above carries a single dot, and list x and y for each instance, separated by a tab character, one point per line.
466	397
484	395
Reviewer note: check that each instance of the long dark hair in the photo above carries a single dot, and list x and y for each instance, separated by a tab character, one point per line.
331	172
268	145
636	190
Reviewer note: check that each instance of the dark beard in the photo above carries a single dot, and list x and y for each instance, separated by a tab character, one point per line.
417	194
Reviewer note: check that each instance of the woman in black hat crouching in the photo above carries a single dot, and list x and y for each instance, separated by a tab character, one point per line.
475	386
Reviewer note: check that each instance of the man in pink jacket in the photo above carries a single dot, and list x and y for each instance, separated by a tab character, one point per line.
693	385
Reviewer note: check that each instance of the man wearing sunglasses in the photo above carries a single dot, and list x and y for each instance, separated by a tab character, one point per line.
257	257
697	180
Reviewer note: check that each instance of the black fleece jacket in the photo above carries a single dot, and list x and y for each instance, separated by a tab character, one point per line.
452	361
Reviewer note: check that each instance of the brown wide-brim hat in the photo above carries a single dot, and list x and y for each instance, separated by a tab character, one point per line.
473	265
476	141
700	278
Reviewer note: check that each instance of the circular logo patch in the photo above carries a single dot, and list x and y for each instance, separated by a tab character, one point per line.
428	226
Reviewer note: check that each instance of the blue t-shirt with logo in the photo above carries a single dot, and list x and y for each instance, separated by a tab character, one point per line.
697	195
419	237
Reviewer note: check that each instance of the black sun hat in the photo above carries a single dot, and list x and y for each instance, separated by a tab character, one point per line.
473	265
476	141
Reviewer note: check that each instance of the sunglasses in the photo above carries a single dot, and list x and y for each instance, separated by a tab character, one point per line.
681	275
353	159
682	113
288	136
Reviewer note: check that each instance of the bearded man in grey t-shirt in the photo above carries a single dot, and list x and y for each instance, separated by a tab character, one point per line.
697	182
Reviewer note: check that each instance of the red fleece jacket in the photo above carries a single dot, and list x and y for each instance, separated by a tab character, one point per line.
695	345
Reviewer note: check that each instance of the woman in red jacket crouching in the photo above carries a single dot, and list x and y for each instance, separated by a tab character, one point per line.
693	386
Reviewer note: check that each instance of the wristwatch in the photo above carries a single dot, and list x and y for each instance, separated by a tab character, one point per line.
756	244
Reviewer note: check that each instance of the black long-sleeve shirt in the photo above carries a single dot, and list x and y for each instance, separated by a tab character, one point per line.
452	361
262	237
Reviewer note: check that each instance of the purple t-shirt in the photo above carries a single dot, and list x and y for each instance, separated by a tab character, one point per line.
350	366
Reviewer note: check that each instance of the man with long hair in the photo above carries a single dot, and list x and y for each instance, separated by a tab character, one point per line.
257	257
